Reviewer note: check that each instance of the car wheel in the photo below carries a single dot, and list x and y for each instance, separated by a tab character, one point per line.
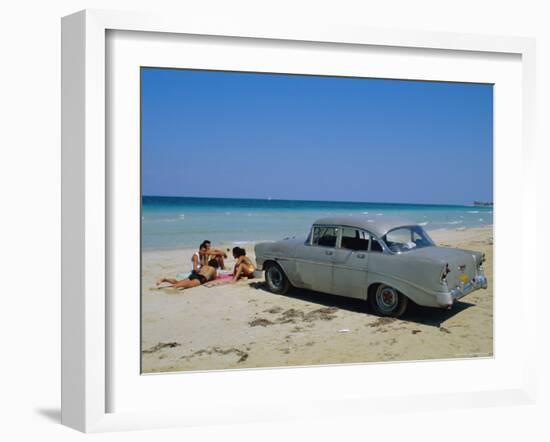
275	278
387	301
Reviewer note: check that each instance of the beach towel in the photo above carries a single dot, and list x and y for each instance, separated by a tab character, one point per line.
221	280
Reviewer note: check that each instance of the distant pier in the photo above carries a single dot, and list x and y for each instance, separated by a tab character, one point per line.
483	204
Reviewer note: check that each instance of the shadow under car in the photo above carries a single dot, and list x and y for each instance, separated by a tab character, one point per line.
415	313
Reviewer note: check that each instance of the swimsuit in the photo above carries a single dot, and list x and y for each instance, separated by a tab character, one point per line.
202	279
249	267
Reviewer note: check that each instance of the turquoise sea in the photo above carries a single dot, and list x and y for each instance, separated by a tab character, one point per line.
175	222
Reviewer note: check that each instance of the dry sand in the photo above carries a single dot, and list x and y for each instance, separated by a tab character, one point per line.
243	325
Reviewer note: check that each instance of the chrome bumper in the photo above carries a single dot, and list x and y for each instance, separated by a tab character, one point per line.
449	298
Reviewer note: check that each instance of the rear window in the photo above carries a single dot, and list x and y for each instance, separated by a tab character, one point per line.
407	238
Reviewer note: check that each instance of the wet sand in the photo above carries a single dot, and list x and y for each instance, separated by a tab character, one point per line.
243	325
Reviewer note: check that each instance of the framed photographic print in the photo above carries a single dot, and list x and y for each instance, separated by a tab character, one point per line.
250	214
236	167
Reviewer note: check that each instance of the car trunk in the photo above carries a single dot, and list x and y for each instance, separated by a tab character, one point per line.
462	263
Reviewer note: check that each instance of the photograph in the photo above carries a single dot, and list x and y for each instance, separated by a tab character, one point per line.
292	220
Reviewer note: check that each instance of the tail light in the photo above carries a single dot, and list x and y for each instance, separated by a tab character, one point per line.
481	261
445	272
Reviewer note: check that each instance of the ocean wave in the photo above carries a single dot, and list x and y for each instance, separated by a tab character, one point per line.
473	211
365	213
425	223
481	219
379	214
454	222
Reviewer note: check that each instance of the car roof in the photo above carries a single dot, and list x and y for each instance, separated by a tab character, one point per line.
377	224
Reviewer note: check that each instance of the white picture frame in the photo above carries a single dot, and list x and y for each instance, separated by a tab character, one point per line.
86	316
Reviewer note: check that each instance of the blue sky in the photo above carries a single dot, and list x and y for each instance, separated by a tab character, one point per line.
245	135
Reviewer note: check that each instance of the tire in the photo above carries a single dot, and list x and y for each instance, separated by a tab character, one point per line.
275	279
387	301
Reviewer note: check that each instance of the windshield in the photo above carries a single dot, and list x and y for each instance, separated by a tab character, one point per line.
403	239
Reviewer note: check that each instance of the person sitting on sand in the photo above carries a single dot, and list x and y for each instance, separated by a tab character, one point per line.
206	273
243	265
217	254
198	259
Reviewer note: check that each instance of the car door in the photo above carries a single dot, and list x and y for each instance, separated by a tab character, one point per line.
314	260
378	261
349	274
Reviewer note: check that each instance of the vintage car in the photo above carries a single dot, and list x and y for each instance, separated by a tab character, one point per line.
386	261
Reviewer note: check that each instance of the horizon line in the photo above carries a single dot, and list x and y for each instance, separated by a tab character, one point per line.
316	201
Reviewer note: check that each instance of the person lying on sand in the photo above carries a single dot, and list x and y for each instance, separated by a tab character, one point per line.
206	273
243	265
216	254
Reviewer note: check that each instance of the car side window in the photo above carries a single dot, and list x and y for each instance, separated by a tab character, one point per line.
353	239
324	236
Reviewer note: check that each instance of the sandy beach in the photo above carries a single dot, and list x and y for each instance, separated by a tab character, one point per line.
243	325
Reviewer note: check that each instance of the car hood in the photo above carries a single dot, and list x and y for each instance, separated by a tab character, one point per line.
292	241
281	247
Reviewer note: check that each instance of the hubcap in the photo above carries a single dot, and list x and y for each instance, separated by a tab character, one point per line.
275	277
386	299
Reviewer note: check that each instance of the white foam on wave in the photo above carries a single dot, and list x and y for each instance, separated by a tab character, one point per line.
481	219
473	211
182	215
454	222
425	223
365	213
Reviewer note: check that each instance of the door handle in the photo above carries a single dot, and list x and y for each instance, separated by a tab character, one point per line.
328	252
361	255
